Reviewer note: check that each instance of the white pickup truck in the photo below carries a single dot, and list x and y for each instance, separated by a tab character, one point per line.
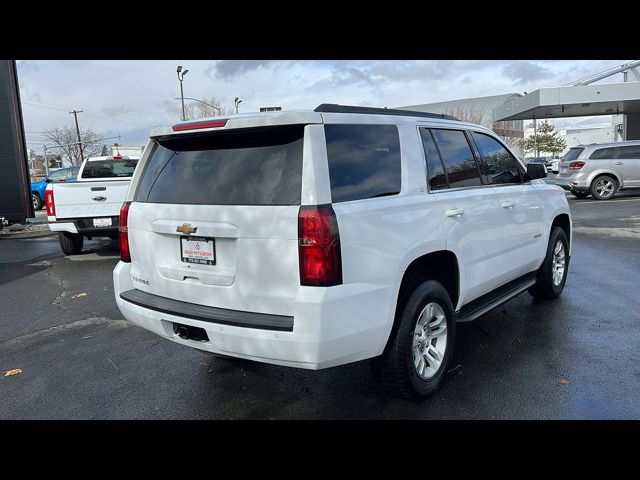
90	206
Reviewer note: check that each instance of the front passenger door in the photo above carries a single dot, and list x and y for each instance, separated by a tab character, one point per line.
628	165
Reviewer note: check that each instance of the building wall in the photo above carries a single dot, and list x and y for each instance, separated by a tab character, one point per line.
585	136
126	151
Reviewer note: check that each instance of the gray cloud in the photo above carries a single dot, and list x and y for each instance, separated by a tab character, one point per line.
347	77
226	69
112	110
523	72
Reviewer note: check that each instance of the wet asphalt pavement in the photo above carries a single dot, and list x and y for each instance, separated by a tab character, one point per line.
574	358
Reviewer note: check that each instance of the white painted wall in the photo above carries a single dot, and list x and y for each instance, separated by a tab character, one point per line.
585	136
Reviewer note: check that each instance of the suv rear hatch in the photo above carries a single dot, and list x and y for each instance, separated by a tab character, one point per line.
214	219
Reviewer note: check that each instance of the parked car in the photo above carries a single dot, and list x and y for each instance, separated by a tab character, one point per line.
600	170
61	175
550	163
312	239
89	207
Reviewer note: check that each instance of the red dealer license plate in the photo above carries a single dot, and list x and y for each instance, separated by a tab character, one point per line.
198	250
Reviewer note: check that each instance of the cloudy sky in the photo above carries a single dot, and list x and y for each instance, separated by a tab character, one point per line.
128	98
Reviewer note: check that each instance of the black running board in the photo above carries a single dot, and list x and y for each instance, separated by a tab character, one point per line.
491	300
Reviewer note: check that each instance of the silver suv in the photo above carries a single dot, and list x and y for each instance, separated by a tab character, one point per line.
600	169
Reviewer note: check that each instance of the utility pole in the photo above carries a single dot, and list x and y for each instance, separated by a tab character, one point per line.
75	115
535	136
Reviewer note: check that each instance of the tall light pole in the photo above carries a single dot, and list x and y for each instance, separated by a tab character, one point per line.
181	75
237	101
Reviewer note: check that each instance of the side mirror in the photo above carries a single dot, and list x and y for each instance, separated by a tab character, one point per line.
536	170
47	180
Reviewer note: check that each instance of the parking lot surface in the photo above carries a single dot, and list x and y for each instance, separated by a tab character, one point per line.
573	358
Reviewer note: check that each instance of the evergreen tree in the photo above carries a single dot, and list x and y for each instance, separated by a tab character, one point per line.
546	140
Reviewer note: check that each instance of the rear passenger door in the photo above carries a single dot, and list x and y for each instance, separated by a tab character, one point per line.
627	164
469	211
521	206
601	158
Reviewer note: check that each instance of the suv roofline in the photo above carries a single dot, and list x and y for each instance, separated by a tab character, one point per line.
608	144
335	108
324	113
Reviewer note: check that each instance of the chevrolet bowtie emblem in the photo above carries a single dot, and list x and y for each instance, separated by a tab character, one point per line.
186	228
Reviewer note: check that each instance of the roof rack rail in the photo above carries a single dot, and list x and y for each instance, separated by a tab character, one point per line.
335	108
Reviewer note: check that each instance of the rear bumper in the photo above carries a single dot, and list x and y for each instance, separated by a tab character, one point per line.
84	226
578	182
330	326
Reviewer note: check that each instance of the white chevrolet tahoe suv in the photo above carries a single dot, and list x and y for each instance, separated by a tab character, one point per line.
317	238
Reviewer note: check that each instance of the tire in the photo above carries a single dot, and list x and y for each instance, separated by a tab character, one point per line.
395	369
604	187
578	194
37	201
548	286
71	243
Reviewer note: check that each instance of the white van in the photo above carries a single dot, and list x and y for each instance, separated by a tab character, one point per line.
316	238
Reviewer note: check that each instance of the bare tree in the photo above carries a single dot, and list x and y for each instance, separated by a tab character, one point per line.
466	115
67	139
212	107
508	131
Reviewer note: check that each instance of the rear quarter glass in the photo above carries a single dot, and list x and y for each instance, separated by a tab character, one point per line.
261	166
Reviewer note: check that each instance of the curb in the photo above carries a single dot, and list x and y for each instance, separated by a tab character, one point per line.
26	234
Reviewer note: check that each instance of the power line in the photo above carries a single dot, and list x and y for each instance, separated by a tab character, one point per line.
121	119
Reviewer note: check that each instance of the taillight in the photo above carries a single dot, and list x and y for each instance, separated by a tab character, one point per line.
125	254
576	165
319	246
50	203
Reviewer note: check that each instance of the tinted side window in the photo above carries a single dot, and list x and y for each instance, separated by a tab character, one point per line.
364	161
604	153
498	164
435	171
457	157
632	151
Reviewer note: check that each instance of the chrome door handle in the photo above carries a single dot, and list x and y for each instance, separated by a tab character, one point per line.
618	163
454	212
508	204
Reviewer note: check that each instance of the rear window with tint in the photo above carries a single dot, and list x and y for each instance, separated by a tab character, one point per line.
364	161
572	154
604	153
238	167
109	168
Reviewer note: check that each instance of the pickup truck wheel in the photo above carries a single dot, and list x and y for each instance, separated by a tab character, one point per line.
37	201
416	358
604	187
71	243
552	275
578	194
